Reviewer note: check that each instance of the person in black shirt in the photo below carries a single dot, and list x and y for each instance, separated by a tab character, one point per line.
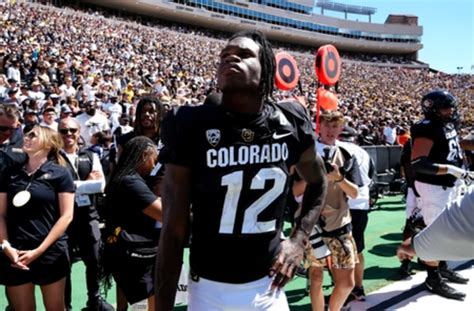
148	118
36	206
11	138
147	123
132	210
232	163
436	159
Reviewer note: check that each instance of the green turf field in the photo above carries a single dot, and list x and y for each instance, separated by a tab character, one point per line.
383	234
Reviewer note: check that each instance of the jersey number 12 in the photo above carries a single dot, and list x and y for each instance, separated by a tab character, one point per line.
233	182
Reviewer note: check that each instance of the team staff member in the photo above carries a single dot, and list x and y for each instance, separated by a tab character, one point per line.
436	159
232	163
343	181
84	232
132	210
36	206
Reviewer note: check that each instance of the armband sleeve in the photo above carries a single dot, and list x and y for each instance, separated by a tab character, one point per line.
424	166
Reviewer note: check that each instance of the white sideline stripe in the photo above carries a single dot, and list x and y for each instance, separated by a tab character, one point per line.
423	300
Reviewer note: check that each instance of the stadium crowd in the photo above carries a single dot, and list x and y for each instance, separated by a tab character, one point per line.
109	58
100	82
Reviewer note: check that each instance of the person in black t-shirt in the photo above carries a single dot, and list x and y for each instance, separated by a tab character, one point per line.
36	206
232	163
132	210
148	118
147	123
11	138
436	159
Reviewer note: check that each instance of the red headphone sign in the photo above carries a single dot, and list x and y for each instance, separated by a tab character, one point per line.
287	73
328	65
326	99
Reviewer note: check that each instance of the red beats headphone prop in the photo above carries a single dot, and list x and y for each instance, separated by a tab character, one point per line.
328	71
287	74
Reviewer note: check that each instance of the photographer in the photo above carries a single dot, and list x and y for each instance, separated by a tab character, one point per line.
343	180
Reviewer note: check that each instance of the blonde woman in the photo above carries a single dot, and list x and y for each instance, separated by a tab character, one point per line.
36	207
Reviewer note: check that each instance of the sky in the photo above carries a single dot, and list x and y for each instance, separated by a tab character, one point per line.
448	28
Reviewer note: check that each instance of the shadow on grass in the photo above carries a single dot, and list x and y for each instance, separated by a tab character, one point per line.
306	307
296	295
293	296
392	236
383	273
385	250
388	207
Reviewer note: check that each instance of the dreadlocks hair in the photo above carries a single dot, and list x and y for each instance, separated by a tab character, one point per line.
130	159
157	106
267	60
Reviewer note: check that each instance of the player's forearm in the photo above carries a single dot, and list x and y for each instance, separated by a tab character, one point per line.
168	268
310	167
175	232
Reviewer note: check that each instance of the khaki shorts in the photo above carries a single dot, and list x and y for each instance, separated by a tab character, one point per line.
343	253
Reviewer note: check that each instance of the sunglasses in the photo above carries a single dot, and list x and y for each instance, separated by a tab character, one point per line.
6	128
31	135
65	131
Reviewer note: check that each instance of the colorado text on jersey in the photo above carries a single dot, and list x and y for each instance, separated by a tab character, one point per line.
242	155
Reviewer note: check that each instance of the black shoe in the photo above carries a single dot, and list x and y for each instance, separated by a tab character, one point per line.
358	293
98	304
405	269
439	287
452	276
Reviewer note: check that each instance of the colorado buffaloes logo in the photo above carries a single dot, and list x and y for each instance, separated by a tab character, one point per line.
247	135
213	136
428	104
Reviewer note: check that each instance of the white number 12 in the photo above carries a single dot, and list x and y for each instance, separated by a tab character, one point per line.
233	182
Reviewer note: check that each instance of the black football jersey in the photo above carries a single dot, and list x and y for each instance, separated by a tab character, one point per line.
240	169
445	150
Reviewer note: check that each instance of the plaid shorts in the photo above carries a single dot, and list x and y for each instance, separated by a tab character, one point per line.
343	253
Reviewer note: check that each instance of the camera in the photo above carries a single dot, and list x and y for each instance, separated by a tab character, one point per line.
328	166
328	155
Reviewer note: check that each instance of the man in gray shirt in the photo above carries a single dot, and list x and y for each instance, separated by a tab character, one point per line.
449	237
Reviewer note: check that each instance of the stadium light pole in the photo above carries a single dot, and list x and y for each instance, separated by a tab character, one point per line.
459	68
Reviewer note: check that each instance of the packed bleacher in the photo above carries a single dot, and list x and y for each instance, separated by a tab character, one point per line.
110	57
89	90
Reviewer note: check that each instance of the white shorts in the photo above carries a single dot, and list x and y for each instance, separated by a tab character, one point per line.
410	202
433	199
207	295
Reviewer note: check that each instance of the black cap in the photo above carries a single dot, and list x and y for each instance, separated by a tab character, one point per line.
348	132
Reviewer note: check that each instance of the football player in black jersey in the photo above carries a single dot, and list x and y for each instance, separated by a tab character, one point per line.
229	164
437	160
